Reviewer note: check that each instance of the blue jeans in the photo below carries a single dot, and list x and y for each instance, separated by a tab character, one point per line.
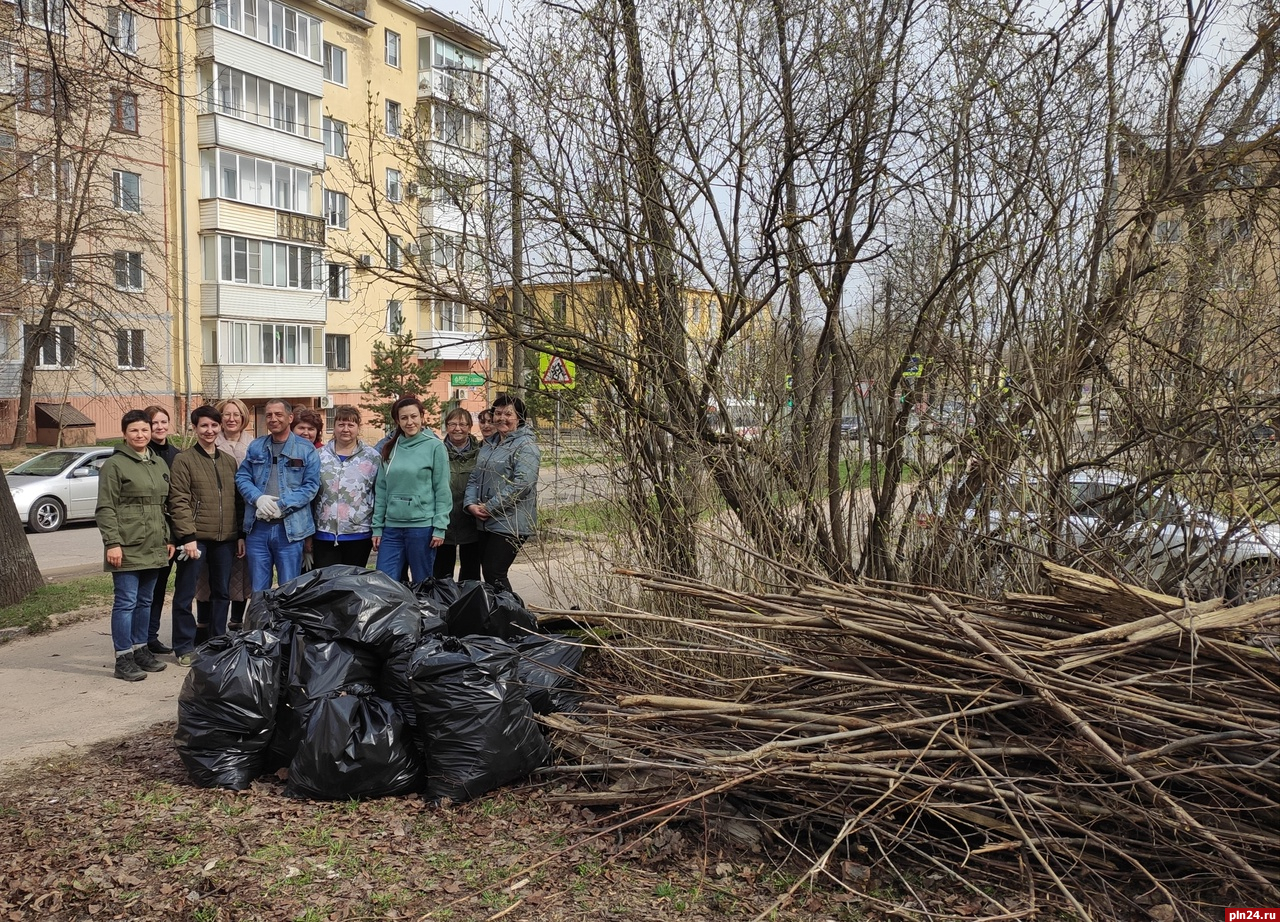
217	556
131	607
406	544
267	547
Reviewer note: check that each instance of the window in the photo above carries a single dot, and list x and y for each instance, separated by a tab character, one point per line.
503	355
263	262
1230	230
128	271
254	99
267	21
123	25
124	111
126	191
393	48
1169	231
34	89
451	125
442	249
39	178
335	209
337	352
395	191
225	174
39	259
450	316
559	312
339	282
335	64
129	349
56	347
45	14
335	137
393	118
395	257
395	317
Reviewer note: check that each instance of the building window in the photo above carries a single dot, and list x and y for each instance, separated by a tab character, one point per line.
442	249
395	253
337	352
34	89
263	262
45	14
242	343
268	21
254	99
128	271
451	125
395	317
559	313
450	316
503	355
39	178
124	111
395	192
124	30
1169	231
335	138
129	352
224	174
393	118
336	206
393	48
39	259
55	347
339	282
335	64
126	191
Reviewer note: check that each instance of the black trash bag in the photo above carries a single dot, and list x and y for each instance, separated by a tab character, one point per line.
227	709
433	626
355	745
317	668
345	602
469	613
436	595
548	672
393	684
477	729
232	769
509	619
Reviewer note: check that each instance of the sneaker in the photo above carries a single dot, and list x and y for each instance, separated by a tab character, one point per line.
186	659
127	668
146	660
158	648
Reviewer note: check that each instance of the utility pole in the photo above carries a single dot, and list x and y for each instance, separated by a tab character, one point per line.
517	265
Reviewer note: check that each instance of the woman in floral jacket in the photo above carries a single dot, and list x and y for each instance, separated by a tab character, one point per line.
344	506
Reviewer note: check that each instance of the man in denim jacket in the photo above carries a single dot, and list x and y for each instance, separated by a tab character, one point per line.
279	477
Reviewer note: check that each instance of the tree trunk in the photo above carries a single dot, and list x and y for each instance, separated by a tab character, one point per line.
19	575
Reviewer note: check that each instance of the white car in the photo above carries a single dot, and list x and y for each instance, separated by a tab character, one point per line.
57	487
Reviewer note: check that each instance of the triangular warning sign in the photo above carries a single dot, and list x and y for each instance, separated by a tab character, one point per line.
557	372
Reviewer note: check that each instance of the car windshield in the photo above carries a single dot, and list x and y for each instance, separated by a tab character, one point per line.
48	464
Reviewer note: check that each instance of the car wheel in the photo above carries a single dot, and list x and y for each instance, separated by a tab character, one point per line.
1255	579
46	515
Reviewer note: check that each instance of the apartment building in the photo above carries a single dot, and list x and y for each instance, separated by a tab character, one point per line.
84	310
314	221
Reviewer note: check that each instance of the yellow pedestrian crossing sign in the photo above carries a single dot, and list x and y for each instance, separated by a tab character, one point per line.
556	372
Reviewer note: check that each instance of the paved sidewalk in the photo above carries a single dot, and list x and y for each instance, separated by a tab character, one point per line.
59	695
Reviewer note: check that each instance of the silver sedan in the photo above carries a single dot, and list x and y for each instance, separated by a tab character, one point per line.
57	487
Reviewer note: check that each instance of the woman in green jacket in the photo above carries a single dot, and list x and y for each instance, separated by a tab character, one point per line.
412	498
132	488
461	541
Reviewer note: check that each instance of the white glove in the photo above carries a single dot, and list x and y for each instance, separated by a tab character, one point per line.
308	561
268	507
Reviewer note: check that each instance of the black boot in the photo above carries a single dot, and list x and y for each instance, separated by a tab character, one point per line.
127	668
145	660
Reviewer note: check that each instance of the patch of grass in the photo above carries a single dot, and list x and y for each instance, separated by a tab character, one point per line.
177	860
35	610
592	516
205	914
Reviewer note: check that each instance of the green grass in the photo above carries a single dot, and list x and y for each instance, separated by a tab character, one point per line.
593	516
35	610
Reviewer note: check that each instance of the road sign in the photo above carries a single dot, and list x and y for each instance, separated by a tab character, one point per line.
915	366
555	372
466	379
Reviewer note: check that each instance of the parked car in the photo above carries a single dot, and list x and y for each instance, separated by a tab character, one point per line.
57	487
1150	535
850	427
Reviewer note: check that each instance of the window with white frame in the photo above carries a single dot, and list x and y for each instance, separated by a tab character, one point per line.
337	352
1168	230
129	349
123	25
55	347
39	178
263	262
39	259
395	317
441	249
335	137
395	252
267	21
450	316
225	174
336	206
128	270
255	99
335	64
126	191
50	15
339	288
393	118
244	343
393	48
34	89
395	191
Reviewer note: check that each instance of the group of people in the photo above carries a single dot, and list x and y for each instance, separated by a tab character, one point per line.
233	512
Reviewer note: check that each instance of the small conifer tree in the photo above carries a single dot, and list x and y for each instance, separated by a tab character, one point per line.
396	371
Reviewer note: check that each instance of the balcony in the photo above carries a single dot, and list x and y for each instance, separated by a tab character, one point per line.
460	88
260	382
300	227
10	379
468	345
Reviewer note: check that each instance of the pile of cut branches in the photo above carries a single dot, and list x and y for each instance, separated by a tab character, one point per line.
1117	748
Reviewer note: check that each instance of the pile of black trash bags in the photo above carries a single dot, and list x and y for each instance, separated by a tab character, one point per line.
363	687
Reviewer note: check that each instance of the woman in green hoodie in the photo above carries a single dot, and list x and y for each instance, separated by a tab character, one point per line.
412	499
